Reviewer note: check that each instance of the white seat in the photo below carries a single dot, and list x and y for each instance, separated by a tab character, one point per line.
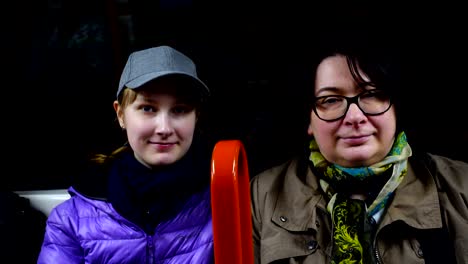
45	200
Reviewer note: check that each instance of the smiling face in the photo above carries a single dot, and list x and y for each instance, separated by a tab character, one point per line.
356	139
159	123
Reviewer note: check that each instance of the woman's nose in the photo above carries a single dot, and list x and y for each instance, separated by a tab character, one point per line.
163	124
354	115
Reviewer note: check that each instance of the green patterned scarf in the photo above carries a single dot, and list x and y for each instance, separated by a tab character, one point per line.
350	216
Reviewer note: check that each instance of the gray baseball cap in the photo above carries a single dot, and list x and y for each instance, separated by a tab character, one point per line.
149	64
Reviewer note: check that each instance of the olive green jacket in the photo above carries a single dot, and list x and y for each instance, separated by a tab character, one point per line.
291	224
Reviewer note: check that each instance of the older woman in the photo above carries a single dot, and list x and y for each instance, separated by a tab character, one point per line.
360	195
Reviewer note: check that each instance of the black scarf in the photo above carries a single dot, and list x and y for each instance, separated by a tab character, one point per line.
148	196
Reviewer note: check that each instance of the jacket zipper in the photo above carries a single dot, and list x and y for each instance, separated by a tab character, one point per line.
378	259
149	240
375	248
376	254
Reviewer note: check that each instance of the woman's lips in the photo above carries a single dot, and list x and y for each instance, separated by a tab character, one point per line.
163	146
355	140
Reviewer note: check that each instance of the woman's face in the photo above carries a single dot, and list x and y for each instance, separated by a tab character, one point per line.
159	125
357	139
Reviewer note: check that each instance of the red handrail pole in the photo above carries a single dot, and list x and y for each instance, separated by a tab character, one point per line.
230	201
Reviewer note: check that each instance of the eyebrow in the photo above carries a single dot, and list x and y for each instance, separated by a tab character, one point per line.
327	89
147	99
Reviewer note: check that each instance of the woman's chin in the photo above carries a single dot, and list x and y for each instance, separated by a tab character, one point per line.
357	158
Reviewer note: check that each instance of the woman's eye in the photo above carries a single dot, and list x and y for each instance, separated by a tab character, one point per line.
181	109
178	110
147	108
374	94
330	100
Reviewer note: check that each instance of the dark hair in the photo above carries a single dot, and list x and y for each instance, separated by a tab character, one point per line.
377	56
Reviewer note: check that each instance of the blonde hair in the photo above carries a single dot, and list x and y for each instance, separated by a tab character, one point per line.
126	97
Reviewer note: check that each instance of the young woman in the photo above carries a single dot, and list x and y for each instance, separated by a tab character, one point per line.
149	201
359	194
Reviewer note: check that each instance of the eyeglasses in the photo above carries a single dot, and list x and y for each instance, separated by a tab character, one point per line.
333	107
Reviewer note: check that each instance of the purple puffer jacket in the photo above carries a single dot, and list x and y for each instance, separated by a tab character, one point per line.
83	230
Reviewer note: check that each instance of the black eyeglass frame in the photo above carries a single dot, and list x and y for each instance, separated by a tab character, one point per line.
351	100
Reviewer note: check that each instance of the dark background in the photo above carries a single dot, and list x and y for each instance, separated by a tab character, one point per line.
63	59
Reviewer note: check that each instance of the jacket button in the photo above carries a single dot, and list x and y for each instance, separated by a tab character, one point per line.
283	219
312	245
420	253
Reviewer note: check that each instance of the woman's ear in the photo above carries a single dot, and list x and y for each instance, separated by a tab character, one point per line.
310	130
119	112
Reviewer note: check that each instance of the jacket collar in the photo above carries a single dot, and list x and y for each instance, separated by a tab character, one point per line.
415	202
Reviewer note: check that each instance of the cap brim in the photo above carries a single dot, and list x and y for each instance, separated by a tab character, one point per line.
143	79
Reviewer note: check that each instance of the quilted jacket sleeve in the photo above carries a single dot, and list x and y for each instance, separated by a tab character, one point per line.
60	243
